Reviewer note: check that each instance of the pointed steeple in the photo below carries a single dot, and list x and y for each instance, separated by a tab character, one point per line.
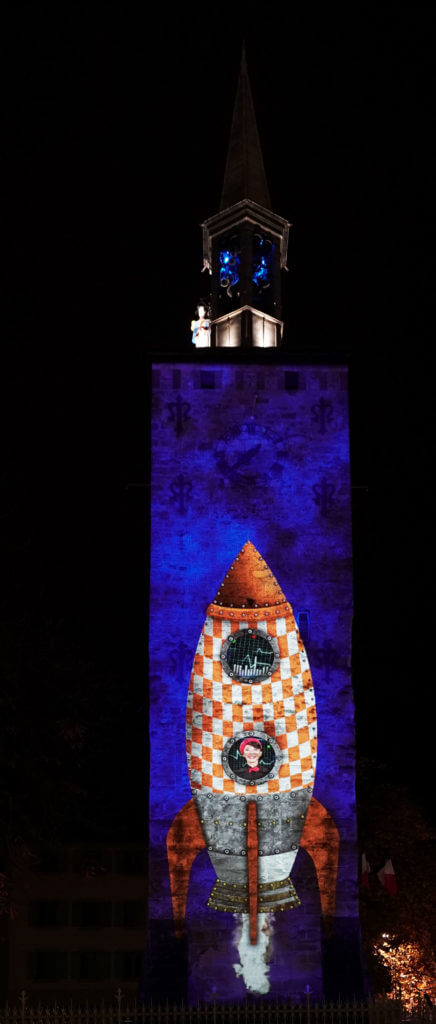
244	245
244	176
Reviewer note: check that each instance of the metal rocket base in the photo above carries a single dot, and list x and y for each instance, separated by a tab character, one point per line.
272	896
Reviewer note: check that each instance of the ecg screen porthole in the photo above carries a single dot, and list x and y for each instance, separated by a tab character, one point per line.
250	655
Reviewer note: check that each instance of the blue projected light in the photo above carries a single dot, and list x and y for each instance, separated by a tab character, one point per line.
223	477
229	269
262	262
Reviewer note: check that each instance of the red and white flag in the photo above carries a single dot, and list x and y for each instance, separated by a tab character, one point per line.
366	868
388	878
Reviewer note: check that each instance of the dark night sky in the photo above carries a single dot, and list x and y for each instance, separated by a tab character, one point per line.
114	149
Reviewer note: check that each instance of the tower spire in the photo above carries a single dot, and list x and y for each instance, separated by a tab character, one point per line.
244	176
244	245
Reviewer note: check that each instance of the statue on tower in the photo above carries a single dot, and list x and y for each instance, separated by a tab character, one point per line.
201	327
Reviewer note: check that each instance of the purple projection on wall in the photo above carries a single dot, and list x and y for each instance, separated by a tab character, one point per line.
260	454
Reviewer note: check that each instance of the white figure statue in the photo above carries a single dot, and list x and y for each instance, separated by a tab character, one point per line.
201	329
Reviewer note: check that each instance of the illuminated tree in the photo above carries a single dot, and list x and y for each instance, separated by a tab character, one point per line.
399	931
409	969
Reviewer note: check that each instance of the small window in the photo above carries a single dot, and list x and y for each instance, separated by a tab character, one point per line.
263	252
48	914
127	964
47	965
230	262
292	382
92	914
90	965
303	621
207	379
134	914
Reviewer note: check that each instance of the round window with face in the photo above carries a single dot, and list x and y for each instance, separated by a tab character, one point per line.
251	758
250	655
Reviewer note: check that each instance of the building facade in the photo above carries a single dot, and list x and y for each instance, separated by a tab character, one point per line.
78	923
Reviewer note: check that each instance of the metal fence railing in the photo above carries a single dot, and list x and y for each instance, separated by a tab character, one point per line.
123	1011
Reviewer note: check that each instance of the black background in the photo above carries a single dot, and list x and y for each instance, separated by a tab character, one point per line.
114	147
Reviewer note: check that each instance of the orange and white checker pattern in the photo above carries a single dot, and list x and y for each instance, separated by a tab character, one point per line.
219	707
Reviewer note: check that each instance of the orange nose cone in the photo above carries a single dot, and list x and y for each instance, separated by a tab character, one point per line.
249	583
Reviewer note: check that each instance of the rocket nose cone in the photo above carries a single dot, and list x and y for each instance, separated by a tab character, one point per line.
249	582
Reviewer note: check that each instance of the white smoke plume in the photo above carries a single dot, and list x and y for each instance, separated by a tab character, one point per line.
253	967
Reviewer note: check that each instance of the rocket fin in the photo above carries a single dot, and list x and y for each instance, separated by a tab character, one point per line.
184	841
321	840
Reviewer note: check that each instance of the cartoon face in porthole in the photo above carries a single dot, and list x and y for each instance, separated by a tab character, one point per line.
250	758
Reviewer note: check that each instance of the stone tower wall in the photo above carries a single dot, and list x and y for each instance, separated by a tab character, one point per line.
261	453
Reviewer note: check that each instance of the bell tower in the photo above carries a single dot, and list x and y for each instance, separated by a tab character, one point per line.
245	244
253	884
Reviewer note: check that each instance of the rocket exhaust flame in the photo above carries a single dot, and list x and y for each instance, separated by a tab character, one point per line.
253	961
251	748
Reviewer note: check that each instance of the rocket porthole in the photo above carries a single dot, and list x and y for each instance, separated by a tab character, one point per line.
251	758
250	654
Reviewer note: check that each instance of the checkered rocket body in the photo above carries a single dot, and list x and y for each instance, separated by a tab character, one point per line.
251	681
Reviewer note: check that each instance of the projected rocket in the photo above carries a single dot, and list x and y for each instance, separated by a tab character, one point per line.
251	748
